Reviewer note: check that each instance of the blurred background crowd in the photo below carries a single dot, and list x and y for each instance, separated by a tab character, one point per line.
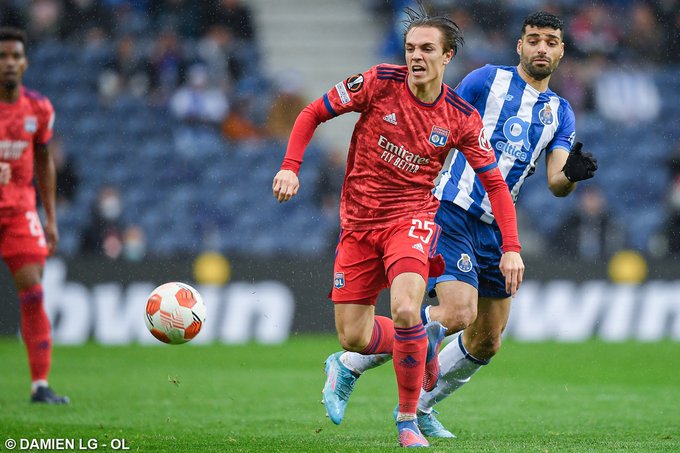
171	123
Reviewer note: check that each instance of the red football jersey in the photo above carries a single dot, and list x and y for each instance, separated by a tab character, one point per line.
399	145
23	124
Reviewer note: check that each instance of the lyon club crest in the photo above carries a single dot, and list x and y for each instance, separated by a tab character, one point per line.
31	124
464	263
546	115
339	280
439	136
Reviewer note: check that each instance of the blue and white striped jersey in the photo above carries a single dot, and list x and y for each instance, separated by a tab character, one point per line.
521	123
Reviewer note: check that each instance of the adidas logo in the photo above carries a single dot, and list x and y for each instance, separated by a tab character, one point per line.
391	118
409	362
418	246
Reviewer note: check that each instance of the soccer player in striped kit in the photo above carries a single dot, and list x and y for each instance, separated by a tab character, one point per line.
26	119
523	119
409	122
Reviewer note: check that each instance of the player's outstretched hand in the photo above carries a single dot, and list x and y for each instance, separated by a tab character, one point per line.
285	185
512	268
580	165
5	173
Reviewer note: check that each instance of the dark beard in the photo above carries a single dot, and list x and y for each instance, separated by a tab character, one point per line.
536	73
11	85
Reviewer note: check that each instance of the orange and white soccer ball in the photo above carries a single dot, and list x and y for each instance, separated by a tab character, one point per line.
175	313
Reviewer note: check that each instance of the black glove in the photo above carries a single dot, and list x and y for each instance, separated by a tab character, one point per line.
579	165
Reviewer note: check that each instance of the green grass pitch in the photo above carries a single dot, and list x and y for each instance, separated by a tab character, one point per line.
550	397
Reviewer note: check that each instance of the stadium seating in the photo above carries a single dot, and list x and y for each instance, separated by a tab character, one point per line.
187	185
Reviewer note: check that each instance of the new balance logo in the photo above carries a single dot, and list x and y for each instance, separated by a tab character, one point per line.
391	118
418	246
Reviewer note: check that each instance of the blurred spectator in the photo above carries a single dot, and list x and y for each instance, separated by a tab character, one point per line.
628	95
238	125
44	20
67	178
590	232
329	186
181	15
645	38
104	234
288	102
672	225
80	17
166	65
199	102
232	14
594	29
124	72
327	193
134	243
392	50
217	50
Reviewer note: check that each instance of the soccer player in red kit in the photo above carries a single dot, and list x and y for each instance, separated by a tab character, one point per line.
26	120
409	122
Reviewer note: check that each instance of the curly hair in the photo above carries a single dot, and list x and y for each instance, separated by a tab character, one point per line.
543	19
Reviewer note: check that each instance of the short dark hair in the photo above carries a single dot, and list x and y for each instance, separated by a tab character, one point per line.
451	32
543	19
13	34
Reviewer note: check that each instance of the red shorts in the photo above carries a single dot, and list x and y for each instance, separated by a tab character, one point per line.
364	258
22	240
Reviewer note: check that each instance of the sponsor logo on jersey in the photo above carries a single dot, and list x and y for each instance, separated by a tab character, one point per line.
464	263
342	92
391	118
31	124
339	280
355	83
12	150
400	157
484	141
516	133
418	246
546	115
439	136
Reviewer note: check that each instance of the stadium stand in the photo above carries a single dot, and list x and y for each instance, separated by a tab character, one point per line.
192	189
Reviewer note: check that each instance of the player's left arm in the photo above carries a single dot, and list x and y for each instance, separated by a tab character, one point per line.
558	183
566	163
46	177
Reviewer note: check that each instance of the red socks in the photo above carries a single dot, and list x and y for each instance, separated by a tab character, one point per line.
410	352
35	330
382	337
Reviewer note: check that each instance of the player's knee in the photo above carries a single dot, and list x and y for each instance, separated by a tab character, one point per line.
405	314
486	347
458	316
352	341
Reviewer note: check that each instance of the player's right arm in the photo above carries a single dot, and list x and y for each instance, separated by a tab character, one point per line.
350	95
5	173
286	183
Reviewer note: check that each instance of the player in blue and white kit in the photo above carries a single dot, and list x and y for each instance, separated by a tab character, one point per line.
523	119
